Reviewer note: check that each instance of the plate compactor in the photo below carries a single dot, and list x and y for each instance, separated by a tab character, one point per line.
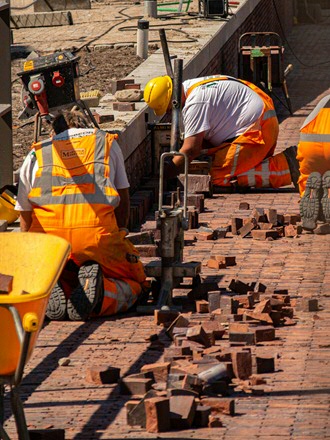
168	272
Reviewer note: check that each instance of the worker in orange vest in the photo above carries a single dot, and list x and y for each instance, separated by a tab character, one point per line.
74	185
314	163
235	122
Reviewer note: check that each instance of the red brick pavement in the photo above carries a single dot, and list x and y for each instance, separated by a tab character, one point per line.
296	401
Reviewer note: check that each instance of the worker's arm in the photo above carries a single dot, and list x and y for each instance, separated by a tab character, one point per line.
25	220
123	209
192	147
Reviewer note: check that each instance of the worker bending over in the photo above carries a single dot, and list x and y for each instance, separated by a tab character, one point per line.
235	122
74	185
314	161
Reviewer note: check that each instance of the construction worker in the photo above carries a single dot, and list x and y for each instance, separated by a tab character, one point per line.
74	185
314	163
235	122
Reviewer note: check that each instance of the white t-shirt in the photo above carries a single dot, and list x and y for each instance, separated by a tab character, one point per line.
223	109
118	176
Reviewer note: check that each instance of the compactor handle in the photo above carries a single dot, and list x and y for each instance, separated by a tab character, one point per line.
161	179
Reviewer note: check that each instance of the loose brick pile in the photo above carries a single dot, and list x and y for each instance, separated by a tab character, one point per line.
213	355
265	224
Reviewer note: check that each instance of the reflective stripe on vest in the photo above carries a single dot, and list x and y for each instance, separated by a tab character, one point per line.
269	113
93	188
313	137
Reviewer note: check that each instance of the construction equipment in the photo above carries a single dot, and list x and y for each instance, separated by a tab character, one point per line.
50	83
30	264
213	8
168	273
261	62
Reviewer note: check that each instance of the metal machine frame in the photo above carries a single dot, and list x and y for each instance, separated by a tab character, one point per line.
261	62
170	271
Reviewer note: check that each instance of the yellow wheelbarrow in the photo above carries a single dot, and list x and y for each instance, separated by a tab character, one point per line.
30	265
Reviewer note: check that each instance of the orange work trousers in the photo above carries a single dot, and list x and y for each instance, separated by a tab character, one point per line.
122	269
314	146
250	161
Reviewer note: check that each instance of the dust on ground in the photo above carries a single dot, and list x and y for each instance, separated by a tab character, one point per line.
97	67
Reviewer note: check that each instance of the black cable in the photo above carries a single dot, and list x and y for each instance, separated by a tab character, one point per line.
288	44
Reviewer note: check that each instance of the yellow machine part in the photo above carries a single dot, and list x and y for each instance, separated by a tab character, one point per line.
7	205
34	261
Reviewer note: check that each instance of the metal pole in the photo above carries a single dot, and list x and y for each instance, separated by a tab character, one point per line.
176	105
166	53
150	8
142	39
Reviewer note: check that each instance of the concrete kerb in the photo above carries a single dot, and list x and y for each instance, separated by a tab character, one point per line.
195	59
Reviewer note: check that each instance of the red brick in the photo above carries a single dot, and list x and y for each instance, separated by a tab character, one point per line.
236	224
135	385
124	106
157	414
6	283
220	405
244	206
242	364
264	333
247	228
202	414
160	370
259	234
198	334
265	364
102	374
182	411
202	306
165	316
263	306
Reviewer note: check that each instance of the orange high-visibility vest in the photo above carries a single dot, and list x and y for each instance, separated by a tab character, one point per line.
72	186
314	144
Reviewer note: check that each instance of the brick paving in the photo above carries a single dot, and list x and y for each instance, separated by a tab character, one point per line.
296	400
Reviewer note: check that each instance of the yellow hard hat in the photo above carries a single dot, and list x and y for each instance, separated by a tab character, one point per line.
158	94
7	205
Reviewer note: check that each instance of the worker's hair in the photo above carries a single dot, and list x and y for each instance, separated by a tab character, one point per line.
69	119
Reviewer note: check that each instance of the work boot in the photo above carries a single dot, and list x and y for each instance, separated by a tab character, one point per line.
56	307
325	200
310	202
88	294
291	157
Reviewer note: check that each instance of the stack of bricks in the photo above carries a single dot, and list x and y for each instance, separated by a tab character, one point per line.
265	224
123	84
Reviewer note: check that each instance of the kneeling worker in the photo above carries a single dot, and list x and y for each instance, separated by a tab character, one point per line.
236	123
74	185
314	160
